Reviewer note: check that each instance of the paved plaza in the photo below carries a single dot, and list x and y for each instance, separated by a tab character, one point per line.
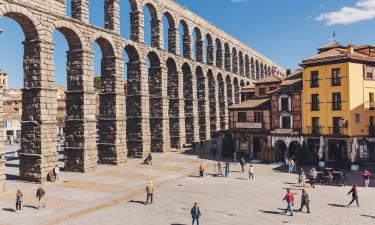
115	195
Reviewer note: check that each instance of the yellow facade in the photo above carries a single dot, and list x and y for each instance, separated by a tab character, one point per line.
355	91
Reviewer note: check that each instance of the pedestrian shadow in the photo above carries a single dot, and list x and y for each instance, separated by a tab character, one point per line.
30	206
271	212
177	224
240	178
338	205
9	209
195	176
289	183
139	202
369	216
293	189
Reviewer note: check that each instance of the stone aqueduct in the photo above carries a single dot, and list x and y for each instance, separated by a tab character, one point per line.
175	97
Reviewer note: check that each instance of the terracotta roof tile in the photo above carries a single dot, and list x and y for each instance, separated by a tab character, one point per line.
263	103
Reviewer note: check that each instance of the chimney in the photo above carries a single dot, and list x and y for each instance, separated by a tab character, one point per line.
350	49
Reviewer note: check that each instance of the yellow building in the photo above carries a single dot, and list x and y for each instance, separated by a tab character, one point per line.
338	102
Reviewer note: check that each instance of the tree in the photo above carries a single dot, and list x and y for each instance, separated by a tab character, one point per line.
97	82
227	146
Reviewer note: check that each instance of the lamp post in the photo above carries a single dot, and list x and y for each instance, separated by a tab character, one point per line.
1	31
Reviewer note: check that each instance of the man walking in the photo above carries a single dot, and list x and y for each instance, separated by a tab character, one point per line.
235	158
40	193
305	201
150	189
289	198
366	176
251	172
226	171
354	192
56	172
243	164
195	213
201	170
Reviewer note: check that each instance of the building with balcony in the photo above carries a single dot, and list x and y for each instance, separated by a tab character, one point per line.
286	117
338	101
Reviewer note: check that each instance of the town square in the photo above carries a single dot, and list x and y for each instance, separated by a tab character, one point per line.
178	112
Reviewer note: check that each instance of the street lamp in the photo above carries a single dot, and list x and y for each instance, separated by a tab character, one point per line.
1	31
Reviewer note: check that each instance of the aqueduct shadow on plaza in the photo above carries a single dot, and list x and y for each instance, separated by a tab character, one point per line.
180	95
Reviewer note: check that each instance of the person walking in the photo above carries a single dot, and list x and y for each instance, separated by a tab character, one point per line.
288	162
195	213
19	201
40	195
305	201
201	170
354	192
243	164
56	171
289	198
292	166
251	172
226	170
235	158
366	176
313	176
302	179
150	189
219	168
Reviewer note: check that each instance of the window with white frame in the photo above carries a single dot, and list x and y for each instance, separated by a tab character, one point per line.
285	103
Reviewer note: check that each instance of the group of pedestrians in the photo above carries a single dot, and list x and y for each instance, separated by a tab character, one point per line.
53	175
40	196
292	164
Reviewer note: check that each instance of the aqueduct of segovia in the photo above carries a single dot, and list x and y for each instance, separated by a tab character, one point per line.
180	95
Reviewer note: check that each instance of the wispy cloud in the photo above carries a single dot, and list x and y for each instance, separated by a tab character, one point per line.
362	10
308	18
238	1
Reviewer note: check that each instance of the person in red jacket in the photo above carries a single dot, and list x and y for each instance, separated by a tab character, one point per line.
366	176
289	198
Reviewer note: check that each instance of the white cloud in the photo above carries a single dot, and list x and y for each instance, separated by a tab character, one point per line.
308	18
238	1
363	10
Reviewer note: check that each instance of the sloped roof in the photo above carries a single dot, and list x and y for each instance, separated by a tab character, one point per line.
289	86
330	46
272	79
262	103
337	55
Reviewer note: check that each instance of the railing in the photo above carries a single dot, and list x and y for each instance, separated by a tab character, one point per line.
287	131
315	130
338	131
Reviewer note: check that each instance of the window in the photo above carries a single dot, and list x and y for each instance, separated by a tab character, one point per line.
10	133
336	101
314	79
372	120
285	122
369	75
371	100
357	118
336	125
284	104
242	117
262	91
315	125
258	117
315	102
336	77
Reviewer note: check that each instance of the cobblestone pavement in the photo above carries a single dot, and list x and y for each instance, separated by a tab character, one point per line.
115	195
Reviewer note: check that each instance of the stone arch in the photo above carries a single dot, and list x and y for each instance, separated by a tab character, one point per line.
156	102
229	87
241	63
186	40
155	25
209	50
253	70
212	103
236	90
201	96
172	33
174	103
242	83
247	66
257	70
189	102
198	53
265	70
219	53
227	57
234	60
247	83
293	148
134	128
281	150
269	71
221	91
261	68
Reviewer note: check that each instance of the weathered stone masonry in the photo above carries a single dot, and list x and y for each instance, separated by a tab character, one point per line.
170	99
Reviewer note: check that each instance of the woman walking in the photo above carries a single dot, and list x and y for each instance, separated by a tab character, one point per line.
366	176
313	175
305	201
19	201
302	179
354	192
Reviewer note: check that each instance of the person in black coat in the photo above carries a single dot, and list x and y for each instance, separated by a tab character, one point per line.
305	201
354	192
195	213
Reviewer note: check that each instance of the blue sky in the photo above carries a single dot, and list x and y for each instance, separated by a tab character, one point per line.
285	31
